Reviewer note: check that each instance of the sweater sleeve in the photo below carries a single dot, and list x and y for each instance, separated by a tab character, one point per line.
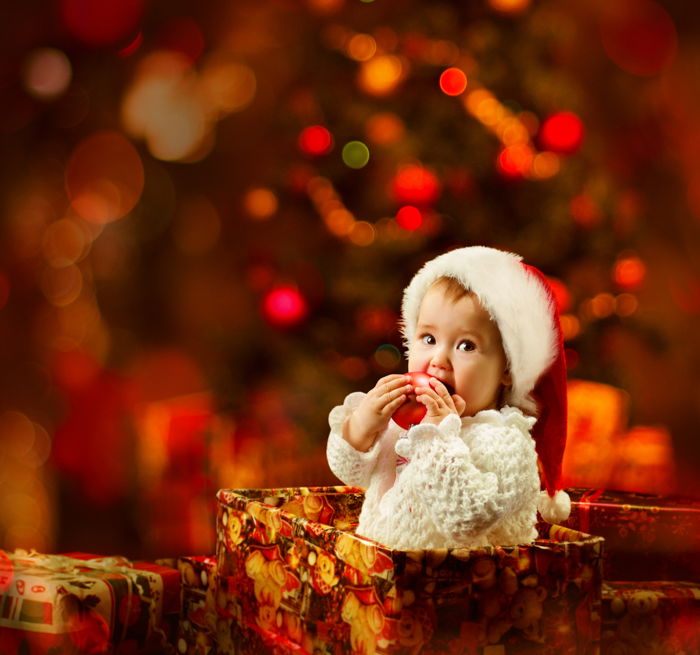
352	466
459	488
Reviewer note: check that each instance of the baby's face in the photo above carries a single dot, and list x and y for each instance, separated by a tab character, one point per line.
457	342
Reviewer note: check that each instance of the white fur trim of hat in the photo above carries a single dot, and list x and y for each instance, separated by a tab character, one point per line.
516	301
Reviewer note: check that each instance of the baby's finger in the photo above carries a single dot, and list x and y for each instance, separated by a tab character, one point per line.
392	406
459	404
440	388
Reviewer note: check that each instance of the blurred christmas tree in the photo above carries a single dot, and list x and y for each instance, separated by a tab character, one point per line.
230	197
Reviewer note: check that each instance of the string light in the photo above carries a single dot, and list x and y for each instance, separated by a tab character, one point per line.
355	154
562	133
284	306
409	218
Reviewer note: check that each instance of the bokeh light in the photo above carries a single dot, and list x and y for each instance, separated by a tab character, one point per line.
355	154
388	357
585	211
453	81
361	47
384	128
415	184
562	133
182	34
65	242
510	6
61	286
515	161
315	140
629	272
409	217
260	203
562	295
639	36
284	306
47	73
602	305
226	85
362	233
101	22
380	75
104	177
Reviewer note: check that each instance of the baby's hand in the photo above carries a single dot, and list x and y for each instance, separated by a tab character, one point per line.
373	413
438	402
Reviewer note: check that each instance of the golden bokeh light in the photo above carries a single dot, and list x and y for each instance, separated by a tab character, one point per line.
384	128
227	86
65	242
380	75
104	177
61	286
260	203
361	47
362	233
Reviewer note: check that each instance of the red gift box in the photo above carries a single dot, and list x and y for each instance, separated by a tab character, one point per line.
653	618
294	578
647	537
85	603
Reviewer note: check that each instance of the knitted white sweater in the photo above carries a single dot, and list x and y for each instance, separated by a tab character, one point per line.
467	482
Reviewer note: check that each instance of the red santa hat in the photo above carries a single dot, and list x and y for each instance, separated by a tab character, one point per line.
521	302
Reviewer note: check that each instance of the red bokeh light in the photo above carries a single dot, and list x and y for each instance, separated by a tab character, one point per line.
315	140
182	35
284	306
414	184
514	161
453	81
561	294
409	217
102	22
639	36
562	133
629	272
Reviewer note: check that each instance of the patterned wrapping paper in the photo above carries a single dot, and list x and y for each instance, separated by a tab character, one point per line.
198	619
647	537
651	618
80	603
294	578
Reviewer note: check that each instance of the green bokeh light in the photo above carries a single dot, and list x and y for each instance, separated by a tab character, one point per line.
355	154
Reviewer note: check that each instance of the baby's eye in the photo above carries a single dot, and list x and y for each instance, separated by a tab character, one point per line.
428	339
467	345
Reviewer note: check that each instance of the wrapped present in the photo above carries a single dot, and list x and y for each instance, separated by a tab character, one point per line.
79	603
293	577
198	619
647	537
651	618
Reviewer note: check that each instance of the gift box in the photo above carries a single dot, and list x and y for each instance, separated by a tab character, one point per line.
651	618
198	619
647	537
293	577
79	603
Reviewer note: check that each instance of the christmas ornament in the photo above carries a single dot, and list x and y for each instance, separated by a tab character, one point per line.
412	412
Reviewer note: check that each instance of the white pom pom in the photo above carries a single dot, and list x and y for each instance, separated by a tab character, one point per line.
554	509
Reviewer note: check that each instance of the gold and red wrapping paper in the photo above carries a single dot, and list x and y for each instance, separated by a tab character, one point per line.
647	537
80	603
294	578
651	618
198	618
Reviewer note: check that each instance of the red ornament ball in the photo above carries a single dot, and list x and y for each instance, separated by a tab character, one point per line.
412	412
562	133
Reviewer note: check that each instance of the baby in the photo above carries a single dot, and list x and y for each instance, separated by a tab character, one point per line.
484	324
